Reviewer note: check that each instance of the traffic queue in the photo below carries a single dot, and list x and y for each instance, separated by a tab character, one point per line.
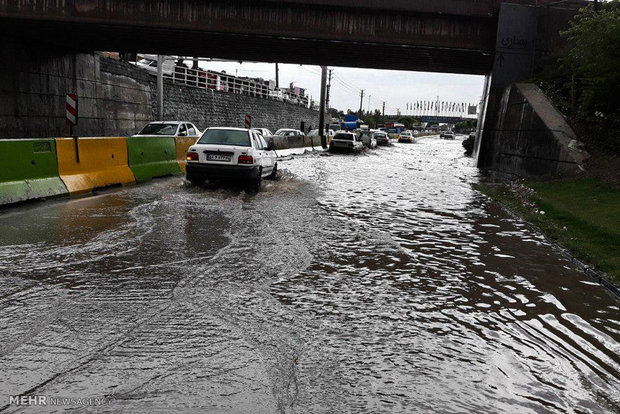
248	155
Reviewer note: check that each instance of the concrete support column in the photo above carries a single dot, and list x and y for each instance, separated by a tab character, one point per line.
514	61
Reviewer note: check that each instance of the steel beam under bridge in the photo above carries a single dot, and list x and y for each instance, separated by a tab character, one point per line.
455	36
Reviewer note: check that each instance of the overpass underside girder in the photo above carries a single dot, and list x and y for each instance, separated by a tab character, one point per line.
263	32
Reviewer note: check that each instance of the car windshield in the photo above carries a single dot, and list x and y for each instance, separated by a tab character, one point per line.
159	129
225	137
379	135
391	130
348	137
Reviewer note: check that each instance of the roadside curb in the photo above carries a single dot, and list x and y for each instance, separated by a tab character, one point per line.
594	274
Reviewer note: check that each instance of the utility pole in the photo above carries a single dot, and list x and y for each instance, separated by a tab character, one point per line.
329	84
361	102
277	77
369	95
383	114
322	107
160	86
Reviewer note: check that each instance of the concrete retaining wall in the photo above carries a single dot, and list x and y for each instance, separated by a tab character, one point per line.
211	108
533	139
114	97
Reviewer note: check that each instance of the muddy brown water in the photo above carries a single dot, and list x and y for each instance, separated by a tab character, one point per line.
373	283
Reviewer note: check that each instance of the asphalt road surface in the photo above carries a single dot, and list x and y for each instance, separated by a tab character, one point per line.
373	283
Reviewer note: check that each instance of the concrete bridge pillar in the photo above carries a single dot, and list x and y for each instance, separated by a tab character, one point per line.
515	55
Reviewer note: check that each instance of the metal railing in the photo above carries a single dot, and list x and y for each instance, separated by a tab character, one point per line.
216	81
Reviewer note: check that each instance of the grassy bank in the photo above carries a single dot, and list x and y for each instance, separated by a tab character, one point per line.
581	215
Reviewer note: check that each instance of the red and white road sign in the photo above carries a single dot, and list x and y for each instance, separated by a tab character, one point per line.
71	106
248	121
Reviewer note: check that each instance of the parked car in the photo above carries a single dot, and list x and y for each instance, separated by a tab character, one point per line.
368	139
263	131
447	135
231	154
326	132
287	132
407	137
170	128
345	141
393	133
382	139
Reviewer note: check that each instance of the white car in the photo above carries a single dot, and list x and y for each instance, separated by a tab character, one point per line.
170	128
326	132
231	154
345	141
263	131
368	139
406	137
288	132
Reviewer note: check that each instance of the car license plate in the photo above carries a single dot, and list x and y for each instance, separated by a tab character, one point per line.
218	157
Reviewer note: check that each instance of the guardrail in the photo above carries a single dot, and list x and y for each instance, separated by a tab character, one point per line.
35	169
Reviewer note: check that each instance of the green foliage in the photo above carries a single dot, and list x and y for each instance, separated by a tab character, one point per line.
593	59
408	122
583	79
466	126
468	144
372	119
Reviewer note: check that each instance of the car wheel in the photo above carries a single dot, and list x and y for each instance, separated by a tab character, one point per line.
274	172
254	185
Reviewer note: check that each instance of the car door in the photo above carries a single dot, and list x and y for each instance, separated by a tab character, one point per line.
260	151
270	156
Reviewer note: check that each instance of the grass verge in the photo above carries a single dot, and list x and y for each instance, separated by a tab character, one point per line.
581	215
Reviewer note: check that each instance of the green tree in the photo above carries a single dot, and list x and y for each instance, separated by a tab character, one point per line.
408	121
593	60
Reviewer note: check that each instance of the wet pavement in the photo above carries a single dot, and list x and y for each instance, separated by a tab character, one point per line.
373	283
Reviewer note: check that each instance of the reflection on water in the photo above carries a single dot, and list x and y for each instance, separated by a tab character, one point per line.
376	283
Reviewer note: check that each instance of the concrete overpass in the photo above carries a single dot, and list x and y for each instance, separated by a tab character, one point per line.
497	38
457	36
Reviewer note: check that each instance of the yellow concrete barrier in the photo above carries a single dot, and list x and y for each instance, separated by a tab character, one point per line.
93	163
182	145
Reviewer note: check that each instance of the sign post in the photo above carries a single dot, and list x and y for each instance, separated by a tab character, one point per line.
71	111
71	119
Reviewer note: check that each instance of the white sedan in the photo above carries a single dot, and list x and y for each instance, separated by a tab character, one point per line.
231	154
170	128
346	142
288	132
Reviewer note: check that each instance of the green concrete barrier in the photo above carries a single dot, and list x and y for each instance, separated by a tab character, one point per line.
29	170
152	156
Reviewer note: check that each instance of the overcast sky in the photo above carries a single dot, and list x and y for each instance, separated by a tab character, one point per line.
396	88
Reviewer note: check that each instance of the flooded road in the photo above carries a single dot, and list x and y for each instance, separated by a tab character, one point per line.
376	283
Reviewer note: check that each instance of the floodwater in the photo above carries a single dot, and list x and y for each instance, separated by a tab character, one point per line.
366	284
